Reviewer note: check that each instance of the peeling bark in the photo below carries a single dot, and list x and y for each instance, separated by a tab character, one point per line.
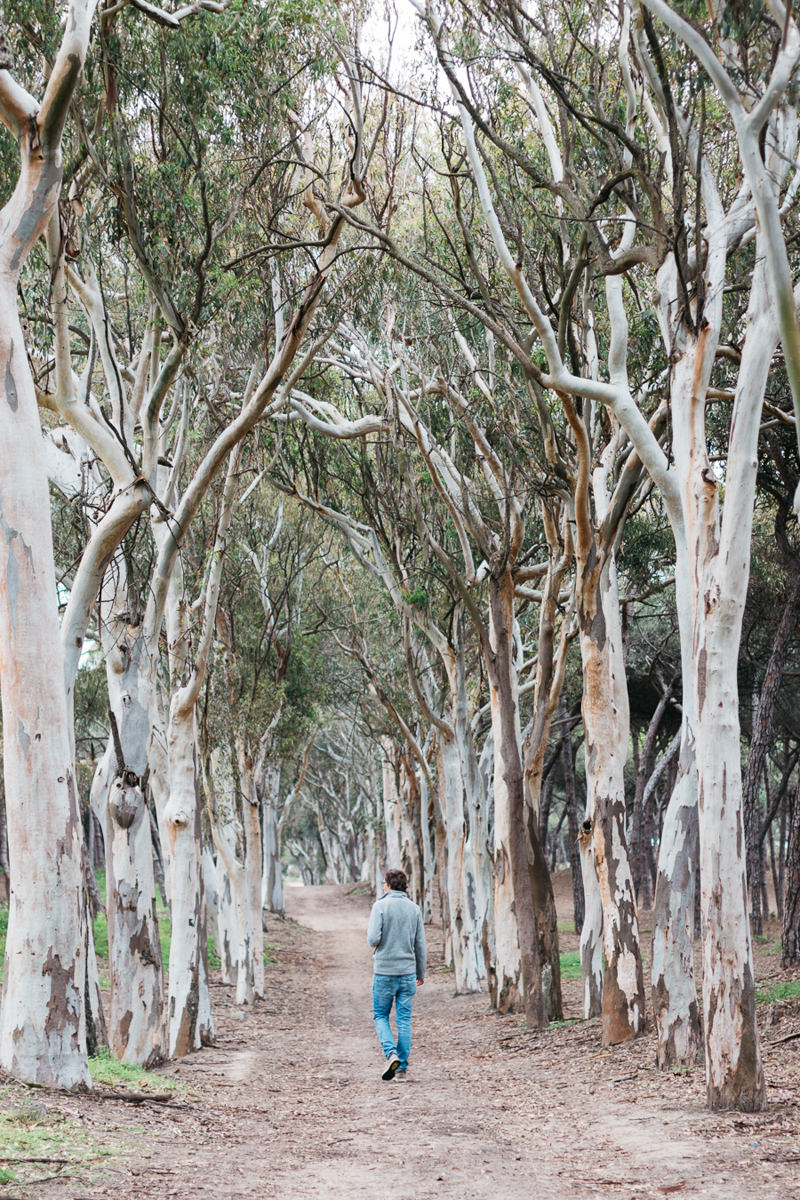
718	557
518	979
592	928
136	1015
459	882
43	1029
136	1018
568	767
272	876
606	722
43	1035
189	1006
675	1004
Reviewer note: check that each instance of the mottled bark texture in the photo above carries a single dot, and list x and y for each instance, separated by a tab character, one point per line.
189	1011
514	848
718	557
544	905
120	797
591	927
272	899
606	722
550	665
236	829
136	1021
675	1002
43	1031
463	924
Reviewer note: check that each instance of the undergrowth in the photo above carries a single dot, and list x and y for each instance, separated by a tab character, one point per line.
30	1132
789	989
570	965
105	1068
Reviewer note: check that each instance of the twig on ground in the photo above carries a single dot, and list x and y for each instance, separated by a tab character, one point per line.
23	1159
136	1097
790	1037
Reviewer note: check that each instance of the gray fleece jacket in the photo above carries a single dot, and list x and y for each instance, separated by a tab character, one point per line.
396	932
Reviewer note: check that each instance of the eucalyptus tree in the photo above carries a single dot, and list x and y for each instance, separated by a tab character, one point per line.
338	789
484	510
496	524
714	542
370	507
640	112
476	278
186	242
712	547
259	711
43	1032
393	710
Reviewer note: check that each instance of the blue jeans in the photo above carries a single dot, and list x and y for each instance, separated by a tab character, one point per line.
386	991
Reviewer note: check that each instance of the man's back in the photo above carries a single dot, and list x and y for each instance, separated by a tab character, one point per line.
397	934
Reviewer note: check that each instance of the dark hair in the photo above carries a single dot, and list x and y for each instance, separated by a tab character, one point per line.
397	880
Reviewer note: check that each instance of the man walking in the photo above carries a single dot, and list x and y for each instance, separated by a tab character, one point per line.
398	936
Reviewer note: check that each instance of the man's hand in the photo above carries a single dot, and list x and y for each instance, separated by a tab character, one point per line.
420	982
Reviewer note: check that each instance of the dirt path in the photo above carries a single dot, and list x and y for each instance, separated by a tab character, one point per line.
289	1104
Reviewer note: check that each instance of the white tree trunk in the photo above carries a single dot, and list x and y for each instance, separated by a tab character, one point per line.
96	1031
719	560
675	1005
478	882
463	928
250	955
189	1005
136	1019
158	760
227	931
236	830
484	863
675	1002
592	929
43	1028
428	854
391	810
505	979
43	1034
408	834
272	873
607	725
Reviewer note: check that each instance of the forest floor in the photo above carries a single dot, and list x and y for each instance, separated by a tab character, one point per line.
289	1103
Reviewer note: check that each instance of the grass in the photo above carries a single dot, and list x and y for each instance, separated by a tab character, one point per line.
105	1068
570	965
270	955
788	990
768	944
100	926
29	1131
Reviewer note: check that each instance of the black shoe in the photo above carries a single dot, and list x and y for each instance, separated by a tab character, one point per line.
392	1063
